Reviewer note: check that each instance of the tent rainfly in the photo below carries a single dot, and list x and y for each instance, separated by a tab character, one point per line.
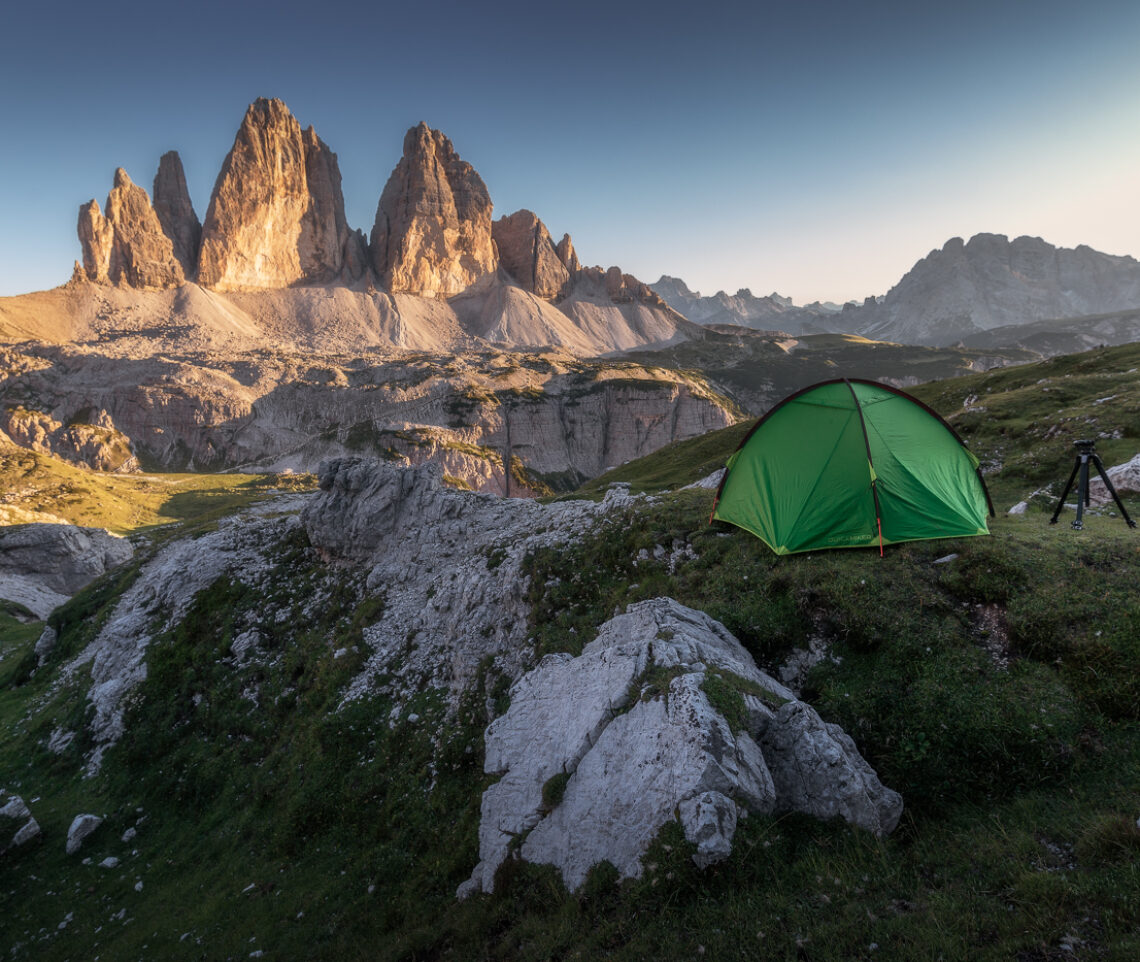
852	464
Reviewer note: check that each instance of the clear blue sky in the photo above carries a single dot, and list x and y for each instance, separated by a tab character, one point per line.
817	149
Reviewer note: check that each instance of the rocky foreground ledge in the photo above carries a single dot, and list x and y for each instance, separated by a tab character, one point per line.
663	716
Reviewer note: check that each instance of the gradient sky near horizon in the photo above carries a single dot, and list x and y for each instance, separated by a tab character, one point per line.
817	149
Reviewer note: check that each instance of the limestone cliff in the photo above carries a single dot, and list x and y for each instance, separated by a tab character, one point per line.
176	212
127	245
276	216
528	254
508	423
432	234
566	254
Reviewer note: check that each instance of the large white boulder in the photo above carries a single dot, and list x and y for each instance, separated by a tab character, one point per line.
624	738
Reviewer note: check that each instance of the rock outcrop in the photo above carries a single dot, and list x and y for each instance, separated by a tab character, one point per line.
568	256
597	752
556	419
529	255
176	213
432	234
166	585
127	245
42	565
89	438
426	546
276	216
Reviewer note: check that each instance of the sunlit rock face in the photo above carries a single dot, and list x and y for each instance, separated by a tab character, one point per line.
175	211
276	216
432	234
529	255
127	245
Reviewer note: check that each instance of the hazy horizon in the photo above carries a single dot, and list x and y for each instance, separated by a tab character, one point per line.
817	151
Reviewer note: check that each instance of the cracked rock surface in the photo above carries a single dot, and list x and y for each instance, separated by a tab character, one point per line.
630	728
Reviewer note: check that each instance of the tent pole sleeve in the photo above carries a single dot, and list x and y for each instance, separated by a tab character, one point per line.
870	461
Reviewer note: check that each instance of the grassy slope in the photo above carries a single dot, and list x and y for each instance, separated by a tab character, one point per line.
755	370
997	692
126	502
1021	422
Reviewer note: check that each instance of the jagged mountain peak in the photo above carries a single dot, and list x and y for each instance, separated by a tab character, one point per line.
276	216
176	212
432	233
529	255
126	243
276	224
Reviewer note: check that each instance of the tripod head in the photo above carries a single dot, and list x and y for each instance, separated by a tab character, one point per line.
1085	446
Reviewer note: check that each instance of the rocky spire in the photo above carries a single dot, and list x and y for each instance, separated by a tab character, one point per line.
127	245
528	254
432	233
96	238
176	213
276	216
566	254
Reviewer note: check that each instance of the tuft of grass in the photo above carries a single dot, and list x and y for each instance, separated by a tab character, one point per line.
554	789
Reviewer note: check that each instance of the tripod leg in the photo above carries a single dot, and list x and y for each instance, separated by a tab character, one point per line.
1082	492
1112	490
1065	493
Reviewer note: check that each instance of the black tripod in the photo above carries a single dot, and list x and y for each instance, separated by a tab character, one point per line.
1085	454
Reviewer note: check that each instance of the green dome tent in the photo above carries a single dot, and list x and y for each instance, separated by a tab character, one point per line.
852	464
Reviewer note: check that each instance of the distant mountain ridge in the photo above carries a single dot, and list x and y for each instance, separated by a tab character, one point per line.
990	281
959	294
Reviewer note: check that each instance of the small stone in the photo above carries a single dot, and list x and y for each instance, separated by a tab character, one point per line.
29	830
15	808
138	886
81	827
129	834
45	644
945	559
109	862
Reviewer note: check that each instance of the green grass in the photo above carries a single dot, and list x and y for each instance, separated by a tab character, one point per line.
123	503
1021	421
756	369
